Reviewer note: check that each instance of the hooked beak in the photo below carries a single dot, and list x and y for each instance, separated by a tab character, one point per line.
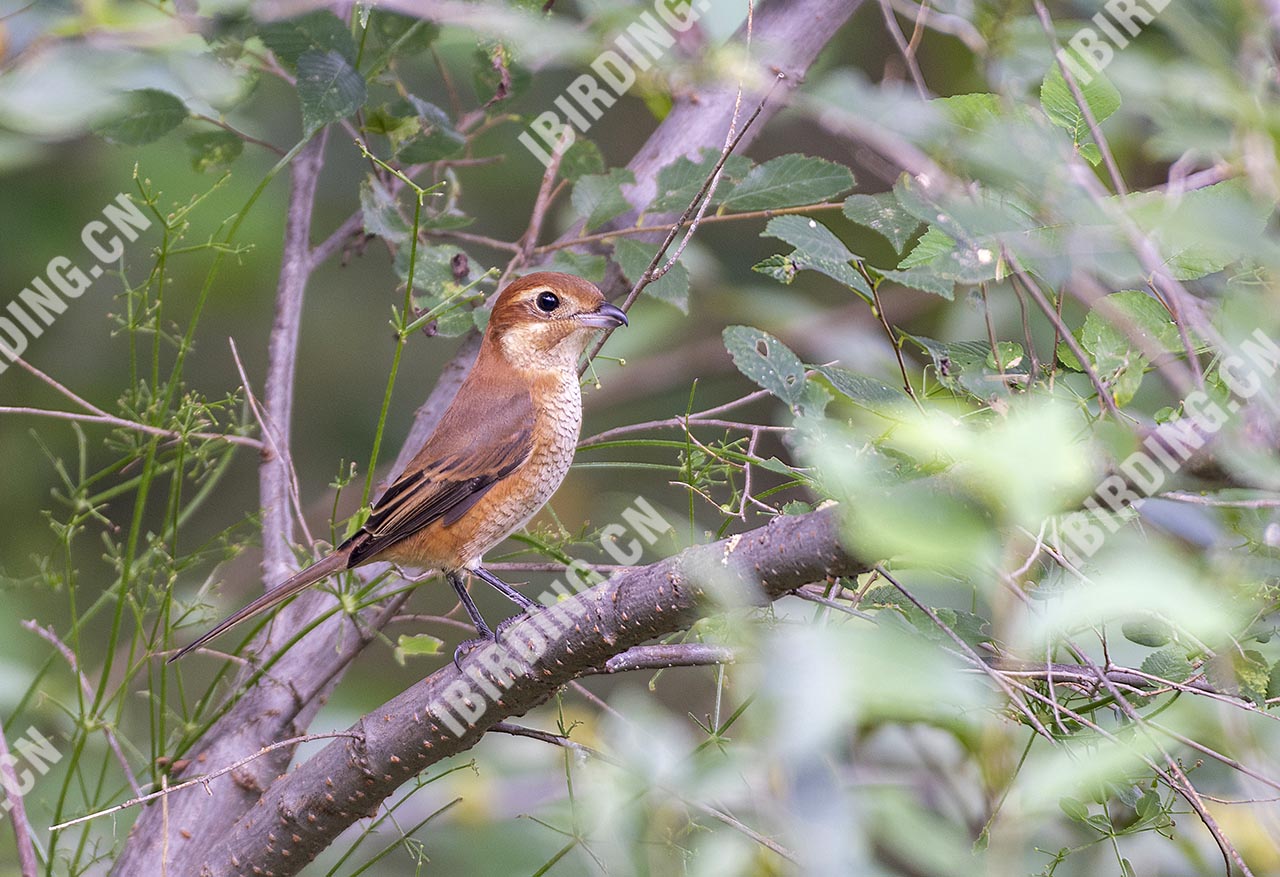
607	316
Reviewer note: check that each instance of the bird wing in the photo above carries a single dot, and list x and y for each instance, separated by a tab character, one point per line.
484	436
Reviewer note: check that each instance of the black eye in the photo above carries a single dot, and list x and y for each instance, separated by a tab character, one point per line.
548	301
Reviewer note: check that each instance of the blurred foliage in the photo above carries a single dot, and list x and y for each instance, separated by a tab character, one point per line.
958	317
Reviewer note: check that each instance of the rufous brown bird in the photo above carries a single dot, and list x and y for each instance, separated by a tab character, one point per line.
497	455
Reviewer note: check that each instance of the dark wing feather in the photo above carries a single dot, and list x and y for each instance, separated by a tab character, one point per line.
483	437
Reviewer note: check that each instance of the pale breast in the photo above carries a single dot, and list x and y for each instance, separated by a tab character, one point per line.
509	506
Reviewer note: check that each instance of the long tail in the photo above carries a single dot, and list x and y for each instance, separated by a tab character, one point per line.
326	566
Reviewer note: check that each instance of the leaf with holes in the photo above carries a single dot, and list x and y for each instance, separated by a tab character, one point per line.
329	88
790	181
767	361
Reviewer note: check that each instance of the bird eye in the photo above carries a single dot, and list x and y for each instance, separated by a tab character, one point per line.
548	301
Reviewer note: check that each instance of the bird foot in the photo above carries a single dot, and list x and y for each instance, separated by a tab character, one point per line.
486	636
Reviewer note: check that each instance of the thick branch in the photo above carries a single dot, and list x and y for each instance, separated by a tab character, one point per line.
788	36
304	811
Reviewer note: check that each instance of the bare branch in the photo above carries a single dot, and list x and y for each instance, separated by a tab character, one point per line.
313	804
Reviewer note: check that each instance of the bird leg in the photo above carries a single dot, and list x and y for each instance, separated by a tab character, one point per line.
486	634
505	590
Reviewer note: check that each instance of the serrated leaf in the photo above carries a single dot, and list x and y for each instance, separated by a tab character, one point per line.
214	150
818	249
147	115
884	215
1202	231
1169	662
378	208
585	266
932	244
809	236
680	181
1119	361
320	31
922	279
1060	106
598	197
633	258
767	361
790	181
865	392
583	158
329	88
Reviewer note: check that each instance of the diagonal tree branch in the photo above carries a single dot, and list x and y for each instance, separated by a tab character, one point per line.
788	36
304	811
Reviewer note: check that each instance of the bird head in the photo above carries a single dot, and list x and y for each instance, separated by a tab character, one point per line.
545	320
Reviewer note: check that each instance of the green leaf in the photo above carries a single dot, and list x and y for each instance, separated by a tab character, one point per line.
378	207
1061	108
1273	681
1119	361
425	132
789	181
417	644
884	215
962	366
865	392
148	114
767	361
681	180
633	258
1075	809
319	31
810	237
781	268
969	111
817	249
584	266
932	244
1202	231
435	283
598	198
392	27
1168	663
582	158
1147	632
214	150
329	88
922	279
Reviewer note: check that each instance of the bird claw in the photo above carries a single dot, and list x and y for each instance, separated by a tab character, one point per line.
486	636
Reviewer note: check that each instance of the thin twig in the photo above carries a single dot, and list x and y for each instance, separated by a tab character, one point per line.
27	863
109	420
49	636
202	780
